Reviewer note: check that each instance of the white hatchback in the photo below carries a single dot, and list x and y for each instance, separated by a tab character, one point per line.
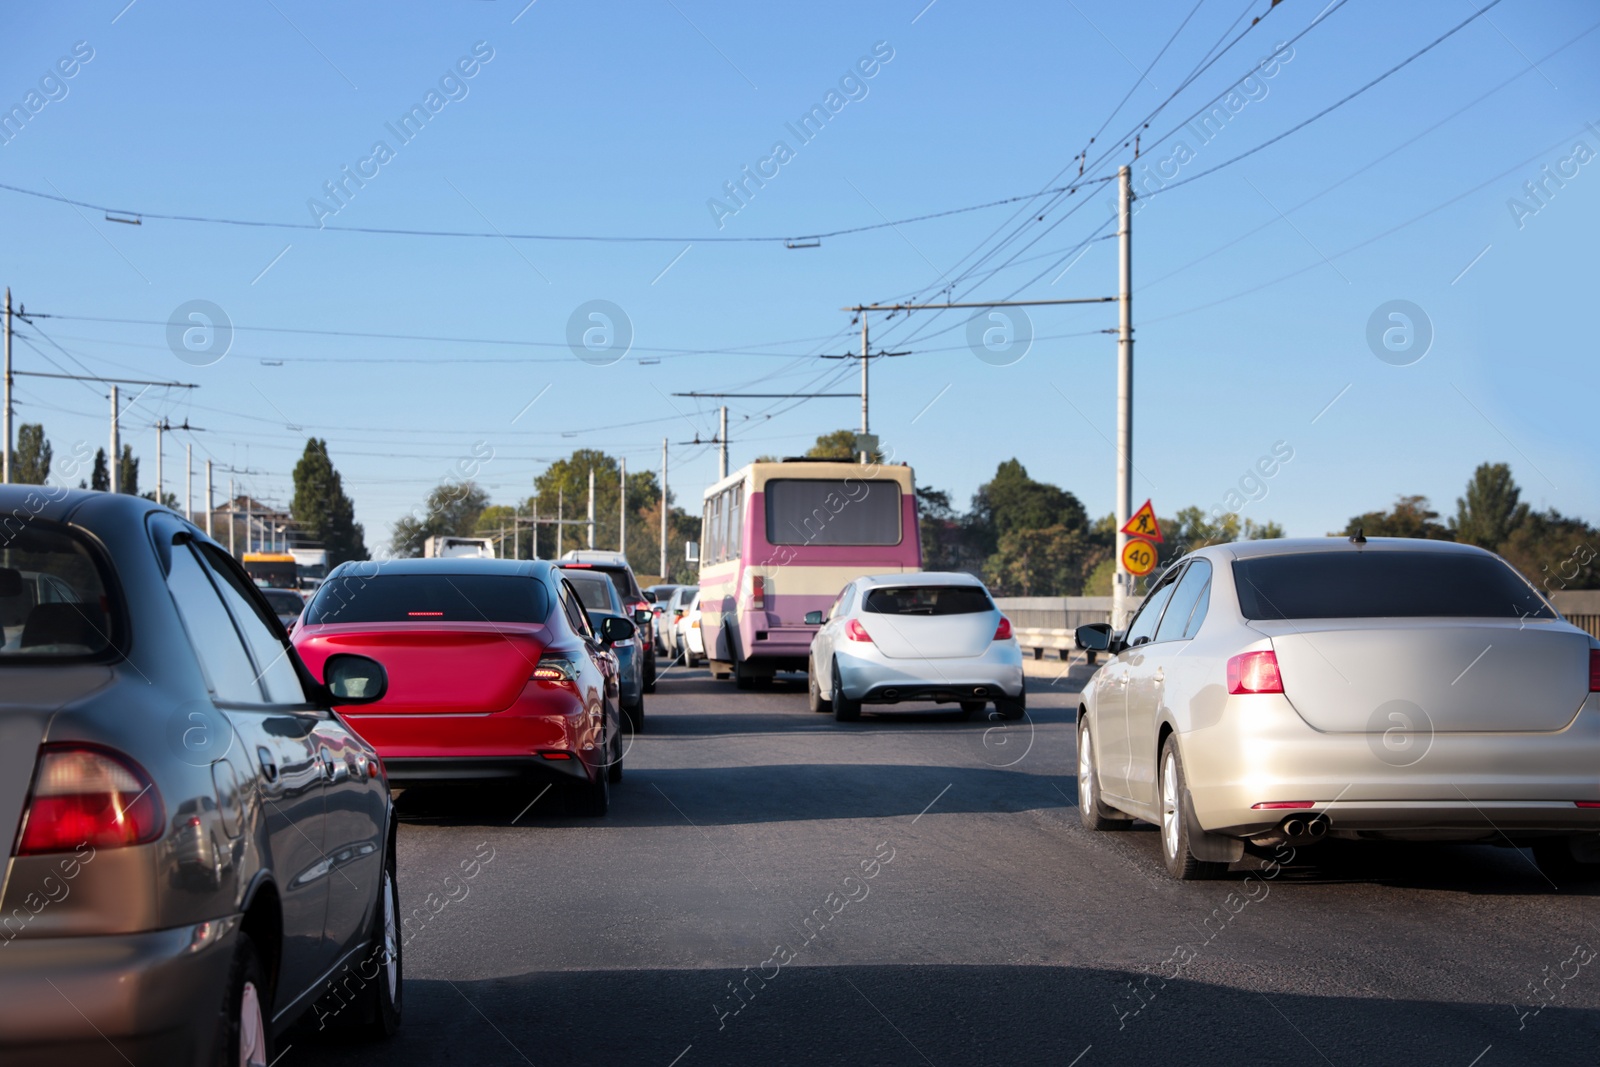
929	636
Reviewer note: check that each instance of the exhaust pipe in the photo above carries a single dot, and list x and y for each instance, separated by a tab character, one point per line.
1317	827
1294	827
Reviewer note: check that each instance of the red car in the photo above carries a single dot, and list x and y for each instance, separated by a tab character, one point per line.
494	672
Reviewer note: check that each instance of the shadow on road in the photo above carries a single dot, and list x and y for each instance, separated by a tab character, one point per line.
889	1016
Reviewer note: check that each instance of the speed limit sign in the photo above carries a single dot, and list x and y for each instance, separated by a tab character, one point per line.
1138	557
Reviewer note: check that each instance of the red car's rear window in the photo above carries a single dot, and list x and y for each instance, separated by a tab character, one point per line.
427	598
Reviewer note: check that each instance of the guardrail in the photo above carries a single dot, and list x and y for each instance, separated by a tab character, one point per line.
1046	623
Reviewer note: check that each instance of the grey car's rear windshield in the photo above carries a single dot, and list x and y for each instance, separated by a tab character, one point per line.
595	590
1353	585
425	598
928	600
53	601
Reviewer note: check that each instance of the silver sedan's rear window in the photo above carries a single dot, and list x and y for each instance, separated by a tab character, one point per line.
53	600
1354	584
928	600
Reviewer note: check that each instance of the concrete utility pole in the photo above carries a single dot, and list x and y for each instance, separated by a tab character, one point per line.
622	493
591	507
533	547
114	463
663	509
5	467
516	532
865	426
210	500
188	480
561	508
233	520
161	428
1122	583
722	439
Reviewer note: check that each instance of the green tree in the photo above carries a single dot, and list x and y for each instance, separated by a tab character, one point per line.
128	472
841	445
1053	561
1411	516
1491	509
451	510
100	476
1011	500
30	463
565	484
321	507
1554	552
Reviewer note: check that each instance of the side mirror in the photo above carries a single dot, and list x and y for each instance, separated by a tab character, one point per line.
1094	637
354	679
614	628
813	618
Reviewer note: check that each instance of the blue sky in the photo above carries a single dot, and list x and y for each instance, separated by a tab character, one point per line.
617	119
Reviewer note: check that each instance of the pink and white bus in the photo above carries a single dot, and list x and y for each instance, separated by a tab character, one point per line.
781	539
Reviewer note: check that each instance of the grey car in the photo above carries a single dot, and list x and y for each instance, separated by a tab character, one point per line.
600	599
1282	692
923	636
202	852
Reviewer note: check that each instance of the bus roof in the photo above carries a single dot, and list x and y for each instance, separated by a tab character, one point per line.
815	469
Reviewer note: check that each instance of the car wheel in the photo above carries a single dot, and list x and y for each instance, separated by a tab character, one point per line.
1012	708
690	660
614	768
242	1037
844	709
814	694
1175	819
742	678
1092	811
1554	857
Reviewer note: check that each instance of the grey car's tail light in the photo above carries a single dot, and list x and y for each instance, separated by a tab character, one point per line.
89	796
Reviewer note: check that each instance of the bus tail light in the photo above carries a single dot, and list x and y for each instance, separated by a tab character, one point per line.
758	593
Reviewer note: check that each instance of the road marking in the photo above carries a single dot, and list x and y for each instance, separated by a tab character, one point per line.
931	803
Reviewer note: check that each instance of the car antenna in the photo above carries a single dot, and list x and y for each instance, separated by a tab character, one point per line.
1359	538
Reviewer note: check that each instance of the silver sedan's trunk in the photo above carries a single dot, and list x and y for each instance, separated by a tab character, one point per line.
1349	675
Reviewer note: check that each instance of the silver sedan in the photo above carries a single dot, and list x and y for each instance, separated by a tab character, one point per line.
914	637
1288	691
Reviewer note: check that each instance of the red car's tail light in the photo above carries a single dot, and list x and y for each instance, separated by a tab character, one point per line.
1254	672
85	795
556	669
1594	670
1003	631
1587	803
758	593
856	632
1274	805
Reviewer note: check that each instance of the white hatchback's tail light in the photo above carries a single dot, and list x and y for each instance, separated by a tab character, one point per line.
89	796
856	632
1003	631
1254	672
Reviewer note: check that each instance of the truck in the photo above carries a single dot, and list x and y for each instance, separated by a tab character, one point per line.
442	547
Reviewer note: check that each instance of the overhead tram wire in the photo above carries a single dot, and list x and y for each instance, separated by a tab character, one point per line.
1418	54
138	216
1146	73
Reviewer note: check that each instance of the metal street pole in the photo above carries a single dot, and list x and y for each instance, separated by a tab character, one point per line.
160	429
188	480
533	552
561	508
210	500
113	464
5	466
516	532
664	509
722	437
865	426
591	507
233	520
1122	585
622	493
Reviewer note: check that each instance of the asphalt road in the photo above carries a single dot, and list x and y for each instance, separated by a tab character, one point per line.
773	887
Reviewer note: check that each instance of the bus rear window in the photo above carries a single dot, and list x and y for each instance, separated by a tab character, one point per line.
832	511
53	601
